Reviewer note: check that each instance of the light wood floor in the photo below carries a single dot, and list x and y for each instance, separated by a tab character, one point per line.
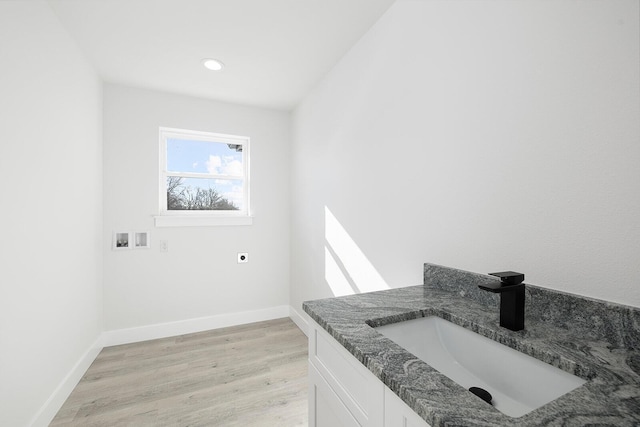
249	375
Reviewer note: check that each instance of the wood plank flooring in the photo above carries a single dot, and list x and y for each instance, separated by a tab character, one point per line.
248	375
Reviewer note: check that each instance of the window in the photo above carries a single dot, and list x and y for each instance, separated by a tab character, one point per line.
203	176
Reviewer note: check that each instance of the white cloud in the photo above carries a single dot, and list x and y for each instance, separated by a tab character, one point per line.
233	167
224	166
235	195
214	164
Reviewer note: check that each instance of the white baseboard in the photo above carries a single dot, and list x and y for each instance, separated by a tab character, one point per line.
181	327
300	319
51	407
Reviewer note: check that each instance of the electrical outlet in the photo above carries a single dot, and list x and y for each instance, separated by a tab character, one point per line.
243	257
164	246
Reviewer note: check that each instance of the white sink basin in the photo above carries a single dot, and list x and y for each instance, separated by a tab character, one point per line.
518	383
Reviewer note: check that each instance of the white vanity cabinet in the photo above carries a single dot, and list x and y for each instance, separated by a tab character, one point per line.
399	414
342	392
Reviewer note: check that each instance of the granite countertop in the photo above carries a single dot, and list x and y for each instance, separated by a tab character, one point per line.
595	340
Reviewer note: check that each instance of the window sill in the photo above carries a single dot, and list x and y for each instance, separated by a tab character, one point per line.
201	221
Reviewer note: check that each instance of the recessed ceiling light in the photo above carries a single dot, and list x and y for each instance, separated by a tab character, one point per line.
212	64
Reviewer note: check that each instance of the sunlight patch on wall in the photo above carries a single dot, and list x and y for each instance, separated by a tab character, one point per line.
336	279
347	269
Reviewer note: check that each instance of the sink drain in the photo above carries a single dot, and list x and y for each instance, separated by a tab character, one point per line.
482	394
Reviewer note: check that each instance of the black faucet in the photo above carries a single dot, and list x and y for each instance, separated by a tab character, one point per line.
511	290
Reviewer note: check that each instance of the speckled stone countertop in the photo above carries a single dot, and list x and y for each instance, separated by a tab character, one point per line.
593	339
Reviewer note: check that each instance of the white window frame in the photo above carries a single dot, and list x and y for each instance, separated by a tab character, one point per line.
169	218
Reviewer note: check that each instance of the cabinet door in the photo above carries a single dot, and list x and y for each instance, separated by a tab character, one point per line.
325	407
361	392
399	414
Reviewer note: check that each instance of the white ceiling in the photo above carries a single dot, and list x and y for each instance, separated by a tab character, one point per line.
275	51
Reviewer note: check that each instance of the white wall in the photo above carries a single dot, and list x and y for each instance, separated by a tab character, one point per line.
51	186
484	135
199	276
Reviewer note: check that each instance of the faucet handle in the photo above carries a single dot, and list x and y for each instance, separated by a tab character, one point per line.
509	278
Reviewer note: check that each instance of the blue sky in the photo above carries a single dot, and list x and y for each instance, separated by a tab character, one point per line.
204	157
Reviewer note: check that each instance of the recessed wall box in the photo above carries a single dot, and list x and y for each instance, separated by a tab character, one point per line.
141	240
121	240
